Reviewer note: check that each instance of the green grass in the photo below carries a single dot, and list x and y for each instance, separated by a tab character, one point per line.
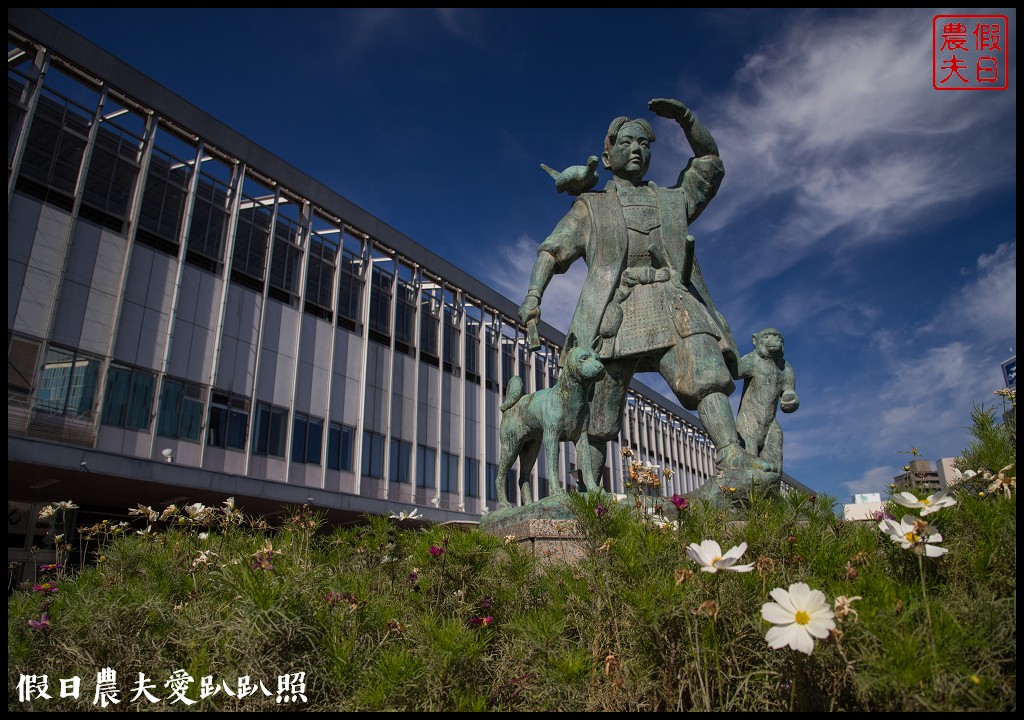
378	622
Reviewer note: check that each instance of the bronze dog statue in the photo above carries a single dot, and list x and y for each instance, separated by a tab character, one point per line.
546	417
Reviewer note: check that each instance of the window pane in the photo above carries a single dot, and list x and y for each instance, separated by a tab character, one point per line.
82	390
334	447
449	472
271	424
286	256
347	437
170	405
238	423
425	473
276	434
472	347
350	286
56	376
191	418
373	454
380	300
216	428
472	471
398	461
227	426
299	439
314	440
262	428
339	447
115	401
252	236
140	406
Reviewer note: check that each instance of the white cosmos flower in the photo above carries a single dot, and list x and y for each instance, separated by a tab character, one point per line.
403	516
1002	482
711	559
799	615
914	534
933	503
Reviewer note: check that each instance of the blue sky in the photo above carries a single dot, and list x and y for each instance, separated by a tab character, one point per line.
869	217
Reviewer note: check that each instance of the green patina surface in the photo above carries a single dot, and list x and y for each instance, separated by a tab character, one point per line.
645	307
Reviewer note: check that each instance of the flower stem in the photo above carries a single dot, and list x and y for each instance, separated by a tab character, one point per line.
924	593
718	664
796	679
927	612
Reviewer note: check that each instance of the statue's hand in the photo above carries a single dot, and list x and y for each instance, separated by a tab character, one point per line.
789	402
529	310
667	108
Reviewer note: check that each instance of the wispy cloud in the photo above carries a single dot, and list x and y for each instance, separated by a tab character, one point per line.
876	479
834	132
464	23
365	27
986	307
916	397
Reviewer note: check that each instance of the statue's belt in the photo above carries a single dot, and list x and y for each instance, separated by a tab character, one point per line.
644	276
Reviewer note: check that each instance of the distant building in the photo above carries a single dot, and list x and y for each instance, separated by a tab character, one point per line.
921	476
949	476
863	507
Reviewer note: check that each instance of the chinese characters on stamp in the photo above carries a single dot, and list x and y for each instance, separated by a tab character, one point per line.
291	688
970	52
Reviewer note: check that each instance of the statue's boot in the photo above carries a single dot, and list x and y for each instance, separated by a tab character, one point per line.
715	414
734	457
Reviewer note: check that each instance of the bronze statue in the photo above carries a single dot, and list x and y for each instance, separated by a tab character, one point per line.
644	306
769	383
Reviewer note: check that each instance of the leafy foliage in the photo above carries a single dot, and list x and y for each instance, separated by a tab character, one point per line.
376	621
994	443
383	617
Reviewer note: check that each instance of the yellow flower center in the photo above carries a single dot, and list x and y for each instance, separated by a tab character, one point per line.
912	537
926	501
715	561
802	617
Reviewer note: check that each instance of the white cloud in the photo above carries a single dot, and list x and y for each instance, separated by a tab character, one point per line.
834	132
986	307
876	479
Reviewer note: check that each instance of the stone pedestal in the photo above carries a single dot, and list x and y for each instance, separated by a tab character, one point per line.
546	527
547	540
733	487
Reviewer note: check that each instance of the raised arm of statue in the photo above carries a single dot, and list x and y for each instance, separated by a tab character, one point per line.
696	134
700	179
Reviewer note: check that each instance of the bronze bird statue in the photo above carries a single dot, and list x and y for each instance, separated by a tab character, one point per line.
576	179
